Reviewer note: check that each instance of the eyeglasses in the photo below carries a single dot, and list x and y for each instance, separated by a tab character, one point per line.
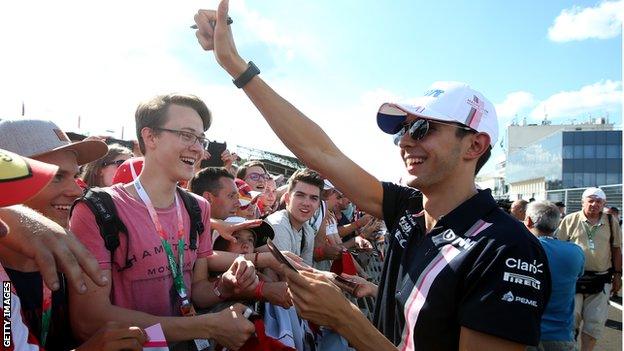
420	127
256	177
187	138
117	163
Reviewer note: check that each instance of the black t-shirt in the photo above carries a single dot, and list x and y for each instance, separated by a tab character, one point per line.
29	289
478	268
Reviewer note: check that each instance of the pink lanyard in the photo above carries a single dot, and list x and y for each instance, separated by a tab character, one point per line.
152	212
176	269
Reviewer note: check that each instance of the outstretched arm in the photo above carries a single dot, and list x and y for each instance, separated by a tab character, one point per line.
300	134
37	243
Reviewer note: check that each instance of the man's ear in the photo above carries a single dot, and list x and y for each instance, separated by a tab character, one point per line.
528	222
149	138
208	196
287	198
479	145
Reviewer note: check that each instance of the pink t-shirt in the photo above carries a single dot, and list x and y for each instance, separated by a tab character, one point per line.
147	285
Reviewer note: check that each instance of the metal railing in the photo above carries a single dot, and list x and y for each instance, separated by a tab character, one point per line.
572	197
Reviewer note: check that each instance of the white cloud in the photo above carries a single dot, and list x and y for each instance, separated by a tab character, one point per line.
514	104
71	58
597	98
287	43
601	22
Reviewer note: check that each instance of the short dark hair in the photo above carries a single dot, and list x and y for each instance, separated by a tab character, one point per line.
242	170
460	133
153	113
208	180
308	176
560	204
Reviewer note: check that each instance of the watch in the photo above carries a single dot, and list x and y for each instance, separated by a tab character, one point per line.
251	71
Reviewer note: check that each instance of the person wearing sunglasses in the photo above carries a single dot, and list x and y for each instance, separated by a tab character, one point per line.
100	172
459	273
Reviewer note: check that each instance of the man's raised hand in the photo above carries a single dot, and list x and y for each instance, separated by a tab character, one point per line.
219	38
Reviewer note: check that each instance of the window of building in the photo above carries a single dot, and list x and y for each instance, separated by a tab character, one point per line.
601	151
589	151
568	151
614	178
568	180
589	179
578	180
614	138
614	151
578	151
589	138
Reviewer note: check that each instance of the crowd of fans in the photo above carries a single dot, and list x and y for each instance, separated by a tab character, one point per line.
223	267
242	208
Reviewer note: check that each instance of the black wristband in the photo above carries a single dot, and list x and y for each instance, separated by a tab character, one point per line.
246	76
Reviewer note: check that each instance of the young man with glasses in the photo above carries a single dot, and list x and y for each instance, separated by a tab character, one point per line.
459	273
255	174
155	274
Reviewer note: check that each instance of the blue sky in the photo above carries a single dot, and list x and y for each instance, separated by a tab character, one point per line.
335	60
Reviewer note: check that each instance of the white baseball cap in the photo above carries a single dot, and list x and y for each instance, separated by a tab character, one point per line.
327	185
597	192
444	101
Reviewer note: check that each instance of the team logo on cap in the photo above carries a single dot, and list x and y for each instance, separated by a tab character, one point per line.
476	112
13	168
434	92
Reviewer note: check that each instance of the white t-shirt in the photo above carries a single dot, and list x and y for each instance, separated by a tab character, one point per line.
287	239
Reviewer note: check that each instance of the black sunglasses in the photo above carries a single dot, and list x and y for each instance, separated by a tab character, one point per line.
420	127
110	163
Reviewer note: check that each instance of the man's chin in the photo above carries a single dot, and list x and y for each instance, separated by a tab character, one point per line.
304	219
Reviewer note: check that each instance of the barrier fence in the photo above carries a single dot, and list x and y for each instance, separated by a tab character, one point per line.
572	197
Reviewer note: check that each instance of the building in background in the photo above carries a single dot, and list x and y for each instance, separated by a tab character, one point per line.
577	156
495	181
274	163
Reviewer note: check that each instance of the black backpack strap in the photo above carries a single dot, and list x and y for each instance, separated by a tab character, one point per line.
194	211
103	208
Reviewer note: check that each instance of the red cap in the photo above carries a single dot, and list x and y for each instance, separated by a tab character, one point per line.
81	183
124	172
22	178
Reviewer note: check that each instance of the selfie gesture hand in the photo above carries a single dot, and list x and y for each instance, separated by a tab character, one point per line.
219	38
226	230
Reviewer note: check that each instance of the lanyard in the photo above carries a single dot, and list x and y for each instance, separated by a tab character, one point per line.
176	268
46	305
591	230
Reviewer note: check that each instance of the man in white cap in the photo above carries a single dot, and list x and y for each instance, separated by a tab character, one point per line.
600	238
459	272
